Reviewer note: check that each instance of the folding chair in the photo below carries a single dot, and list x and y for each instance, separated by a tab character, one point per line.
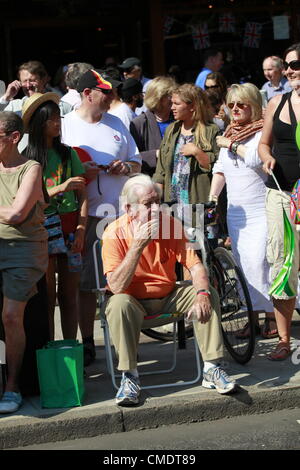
3	363
101	295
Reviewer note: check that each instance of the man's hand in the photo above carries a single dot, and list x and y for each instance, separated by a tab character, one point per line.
143	234
117	167
201	310
12	90
91	170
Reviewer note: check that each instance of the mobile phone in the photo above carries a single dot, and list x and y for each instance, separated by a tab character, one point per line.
103	167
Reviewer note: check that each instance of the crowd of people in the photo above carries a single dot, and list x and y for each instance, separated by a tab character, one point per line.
111	143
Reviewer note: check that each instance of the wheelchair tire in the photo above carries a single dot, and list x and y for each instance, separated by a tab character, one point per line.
236	306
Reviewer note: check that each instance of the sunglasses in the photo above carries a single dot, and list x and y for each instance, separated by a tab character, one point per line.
294	65
104	91
211	86
239	105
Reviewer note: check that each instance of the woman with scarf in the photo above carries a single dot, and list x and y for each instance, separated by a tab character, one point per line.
240	167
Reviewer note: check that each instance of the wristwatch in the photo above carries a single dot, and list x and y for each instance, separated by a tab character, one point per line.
128	166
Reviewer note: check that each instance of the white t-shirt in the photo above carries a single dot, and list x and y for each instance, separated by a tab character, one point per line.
72	97
124	113
105	141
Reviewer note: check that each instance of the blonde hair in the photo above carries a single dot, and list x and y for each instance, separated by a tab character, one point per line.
249	94
157	89
191	94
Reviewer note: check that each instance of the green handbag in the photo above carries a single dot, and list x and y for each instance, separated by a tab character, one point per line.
60	370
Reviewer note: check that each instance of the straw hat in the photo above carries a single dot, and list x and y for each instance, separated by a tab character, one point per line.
33	102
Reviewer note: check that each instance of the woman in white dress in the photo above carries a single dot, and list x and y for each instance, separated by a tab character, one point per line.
240	167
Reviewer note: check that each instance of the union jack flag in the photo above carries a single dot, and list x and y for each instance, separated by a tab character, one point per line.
227	23
200	36
252	35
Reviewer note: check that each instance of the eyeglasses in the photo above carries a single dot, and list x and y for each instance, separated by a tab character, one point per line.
294	65
104	91
5	135
211	86
239	105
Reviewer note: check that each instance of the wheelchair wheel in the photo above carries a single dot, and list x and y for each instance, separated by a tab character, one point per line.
165	332
236	306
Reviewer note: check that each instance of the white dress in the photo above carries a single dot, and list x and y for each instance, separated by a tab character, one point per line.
246	218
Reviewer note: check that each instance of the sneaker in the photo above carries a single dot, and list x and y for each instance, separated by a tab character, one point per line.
129	391
10	402
217	378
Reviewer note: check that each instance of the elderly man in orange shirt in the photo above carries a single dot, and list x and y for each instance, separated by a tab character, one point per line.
139	263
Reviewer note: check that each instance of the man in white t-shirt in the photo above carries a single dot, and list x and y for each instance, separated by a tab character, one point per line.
110	145
74	72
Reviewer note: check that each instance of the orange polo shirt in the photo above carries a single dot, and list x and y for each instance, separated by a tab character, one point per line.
155	273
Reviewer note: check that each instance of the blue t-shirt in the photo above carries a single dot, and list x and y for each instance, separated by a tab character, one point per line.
163	126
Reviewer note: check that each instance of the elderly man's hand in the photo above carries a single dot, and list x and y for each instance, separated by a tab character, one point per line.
201	310
144	233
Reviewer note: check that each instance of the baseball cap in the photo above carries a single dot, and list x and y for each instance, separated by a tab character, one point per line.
93	79
115	83
129	62
131	86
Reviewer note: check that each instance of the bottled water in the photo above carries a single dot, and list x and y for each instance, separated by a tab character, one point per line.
74	259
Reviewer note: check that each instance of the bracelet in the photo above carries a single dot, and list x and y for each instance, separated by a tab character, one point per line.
203	292
213	198
128	166
234	147
230	146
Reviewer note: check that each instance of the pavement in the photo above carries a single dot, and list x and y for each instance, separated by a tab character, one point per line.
265	386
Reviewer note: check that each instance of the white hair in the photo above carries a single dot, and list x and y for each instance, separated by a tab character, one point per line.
132	189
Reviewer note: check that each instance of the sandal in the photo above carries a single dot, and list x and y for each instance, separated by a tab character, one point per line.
281	352
266	331
245	331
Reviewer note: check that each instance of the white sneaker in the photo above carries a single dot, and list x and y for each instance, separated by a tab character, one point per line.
217	378
11	402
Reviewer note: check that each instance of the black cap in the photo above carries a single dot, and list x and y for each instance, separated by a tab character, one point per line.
132	87
93	79
97	79
115	83
129	62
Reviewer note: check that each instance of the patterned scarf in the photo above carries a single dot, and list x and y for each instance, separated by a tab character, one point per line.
238	132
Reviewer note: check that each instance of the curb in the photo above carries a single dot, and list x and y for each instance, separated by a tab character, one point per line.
151	414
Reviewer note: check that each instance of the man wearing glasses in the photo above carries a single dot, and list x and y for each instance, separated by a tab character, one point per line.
114	156
32	78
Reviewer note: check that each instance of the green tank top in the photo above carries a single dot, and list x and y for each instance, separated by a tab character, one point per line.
32	229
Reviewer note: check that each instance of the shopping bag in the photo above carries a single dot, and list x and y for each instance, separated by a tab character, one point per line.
60	370
295	203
